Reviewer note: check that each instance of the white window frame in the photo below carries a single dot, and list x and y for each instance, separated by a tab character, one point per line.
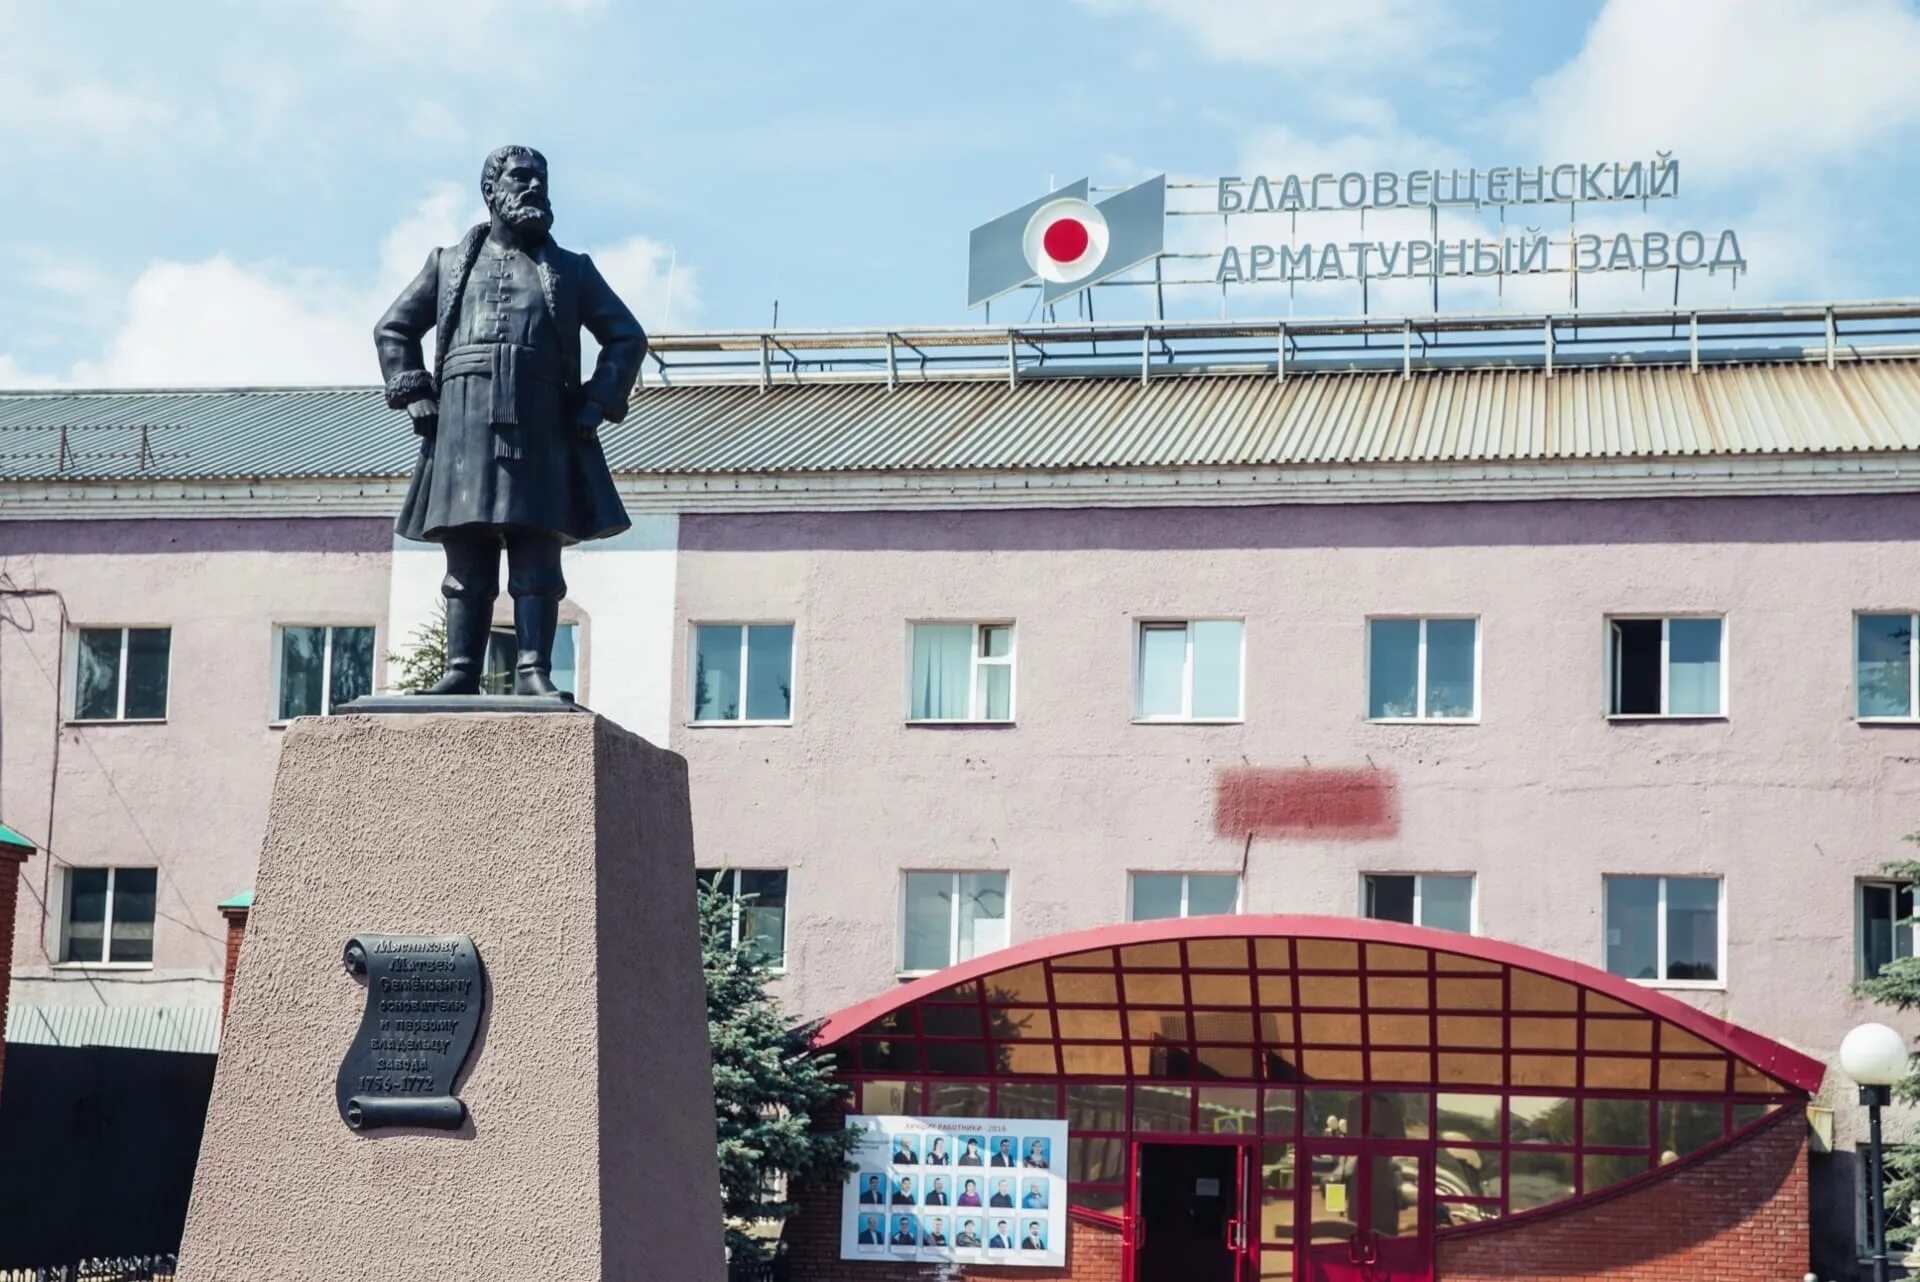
65	919
975	713
1185	716
1420	716
1913	668
326	665
120	708
1419	893
1186	877
1666	668
1860	918
732	875
693	668
1660	926
953	916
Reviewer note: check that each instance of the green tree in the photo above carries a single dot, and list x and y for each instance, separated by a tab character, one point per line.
1898	985
425	661
768	1084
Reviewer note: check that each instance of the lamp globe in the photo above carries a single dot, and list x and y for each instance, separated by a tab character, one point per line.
1874	1055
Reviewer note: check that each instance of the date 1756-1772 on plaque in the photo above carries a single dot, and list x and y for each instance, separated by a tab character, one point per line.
425	996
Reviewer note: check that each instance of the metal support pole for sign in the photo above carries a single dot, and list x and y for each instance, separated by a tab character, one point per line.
893	372
1406	350
1549	331
1159	292
1280	356
1874	1097
1146	354
1693	342
1013	363
1832	335
766	370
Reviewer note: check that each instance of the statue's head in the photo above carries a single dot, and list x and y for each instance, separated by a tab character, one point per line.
514	184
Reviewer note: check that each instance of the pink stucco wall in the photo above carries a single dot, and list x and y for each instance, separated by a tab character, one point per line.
188	795
1788	798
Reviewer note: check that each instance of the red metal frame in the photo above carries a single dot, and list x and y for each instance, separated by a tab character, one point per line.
1802	1072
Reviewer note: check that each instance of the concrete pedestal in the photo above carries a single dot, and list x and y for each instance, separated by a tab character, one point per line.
562	845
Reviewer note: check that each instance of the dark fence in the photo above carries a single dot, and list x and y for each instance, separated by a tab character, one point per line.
122	1268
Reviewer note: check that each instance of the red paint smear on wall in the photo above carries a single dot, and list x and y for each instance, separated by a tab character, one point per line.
1328	805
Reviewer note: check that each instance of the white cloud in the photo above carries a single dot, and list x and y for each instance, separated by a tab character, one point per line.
1318	37
650	281
223	322
1734	88
13	377
92	110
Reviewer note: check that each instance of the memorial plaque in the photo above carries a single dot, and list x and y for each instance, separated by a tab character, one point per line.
425	994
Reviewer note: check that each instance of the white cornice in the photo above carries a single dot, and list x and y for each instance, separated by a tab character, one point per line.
1879	473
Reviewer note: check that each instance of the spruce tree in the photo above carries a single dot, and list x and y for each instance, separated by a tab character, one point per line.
1898	985
768	1084
425	661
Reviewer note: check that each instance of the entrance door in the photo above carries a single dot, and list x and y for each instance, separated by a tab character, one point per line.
1369	1213
1189	1224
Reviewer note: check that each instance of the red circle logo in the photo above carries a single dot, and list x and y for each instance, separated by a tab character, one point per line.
1065	239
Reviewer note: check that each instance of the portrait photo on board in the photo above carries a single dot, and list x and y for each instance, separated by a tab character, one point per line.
1002	1237
873	1188
1035	1238
1033	1194
1034	1154
873	1230
906	1150
1002	1195
936	1192
967	1236
906	1231
905	1192
969	1192
938	1153
936	1234
972	1153
1003	1153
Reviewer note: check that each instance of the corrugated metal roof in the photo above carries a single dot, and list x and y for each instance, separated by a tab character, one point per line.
1436	416
192	1030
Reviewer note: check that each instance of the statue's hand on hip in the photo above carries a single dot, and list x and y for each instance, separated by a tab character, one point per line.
426	416
586	424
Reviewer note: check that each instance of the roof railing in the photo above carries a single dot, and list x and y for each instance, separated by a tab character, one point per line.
1797	332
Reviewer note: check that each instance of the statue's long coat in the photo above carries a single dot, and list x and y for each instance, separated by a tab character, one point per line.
536	475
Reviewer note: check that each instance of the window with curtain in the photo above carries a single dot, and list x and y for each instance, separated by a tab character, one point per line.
1666	667
1441	900
950	917
1422	669
1885	931
759	897
961	672
1188	670
322	668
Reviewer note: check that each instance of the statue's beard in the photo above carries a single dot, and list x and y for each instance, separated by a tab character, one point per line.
523	214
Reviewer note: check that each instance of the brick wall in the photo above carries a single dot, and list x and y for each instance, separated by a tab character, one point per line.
1739	1214
236	932
11	864
813	1243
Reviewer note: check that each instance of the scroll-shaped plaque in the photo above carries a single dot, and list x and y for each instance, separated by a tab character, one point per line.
425	994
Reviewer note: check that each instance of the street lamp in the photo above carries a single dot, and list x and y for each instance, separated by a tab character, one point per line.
1875	1057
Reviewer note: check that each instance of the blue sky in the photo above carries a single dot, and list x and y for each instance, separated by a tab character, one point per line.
212	192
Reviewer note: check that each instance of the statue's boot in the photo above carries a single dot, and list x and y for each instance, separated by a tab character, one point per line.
469	620
535	620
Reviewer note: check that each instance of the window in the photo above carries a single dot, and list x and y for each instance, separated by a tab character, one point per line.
742	672
322	668
759	908
109	916
1667	667
1885	930
949	917
1155	895
961	672
120	674
1441	900
503	655
1664	929
1422	669
1883	666
1188	671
